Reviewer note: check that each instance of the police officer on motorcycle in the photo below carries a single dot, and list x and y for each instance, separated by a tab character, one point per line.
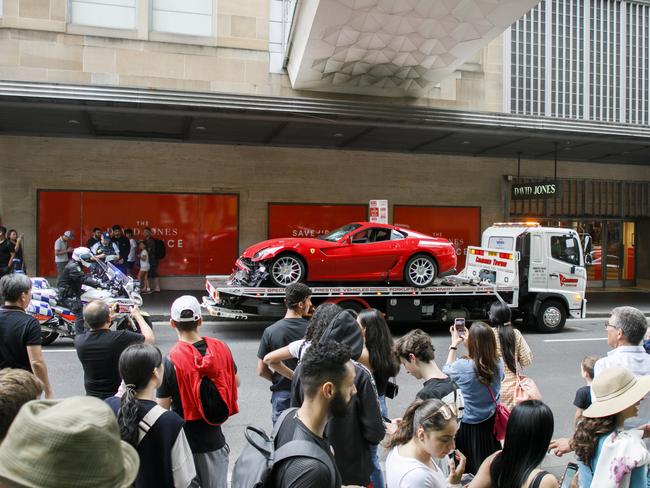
70	282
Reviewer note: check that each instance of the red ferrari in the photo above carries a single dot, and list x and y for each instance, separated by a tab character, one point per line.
356	252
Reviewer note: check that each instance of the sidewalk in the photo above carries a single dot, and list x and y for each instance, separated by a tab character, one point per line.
599	305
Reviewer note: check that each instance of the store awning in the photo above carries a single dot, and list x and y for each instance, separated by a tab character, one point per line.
390	48
37	109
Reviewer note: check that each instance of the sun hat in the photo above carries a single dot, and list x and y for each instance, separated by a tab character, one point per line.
615	390
67	443
186	302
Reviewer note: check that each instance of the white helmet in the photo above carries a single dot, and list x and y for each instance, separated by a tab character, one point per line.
82	255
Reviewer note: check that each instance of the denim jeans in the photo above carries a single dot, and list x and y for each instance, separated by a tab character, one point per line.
280	401
377	476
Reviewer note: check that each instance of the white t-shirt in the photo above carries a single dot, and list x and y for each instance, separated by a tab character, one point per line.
144	261
294	348
406	472
133	251
60	245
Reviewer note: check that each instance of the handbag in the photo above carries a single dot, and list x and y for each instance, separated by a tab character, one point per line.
392	389
501	416
526	389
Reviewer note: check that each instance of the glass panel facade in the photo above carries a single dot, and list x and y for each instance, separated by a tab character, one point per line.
112	14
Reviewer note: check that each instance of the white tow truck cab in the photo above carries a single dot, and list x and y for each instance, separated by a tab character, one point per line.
539	272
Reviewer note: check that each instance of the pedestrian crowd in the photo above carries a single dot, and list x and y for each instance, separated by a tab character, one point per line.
149	420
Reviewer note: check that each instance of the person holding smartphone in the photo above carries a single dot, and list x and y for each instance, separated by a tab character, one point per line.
479	377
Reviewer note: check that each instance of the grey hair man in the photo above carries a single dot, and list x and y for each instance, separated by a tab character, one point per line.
20	333
626	329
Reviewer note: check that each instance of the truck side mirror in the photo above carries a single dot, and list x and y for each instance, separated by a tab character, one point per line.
588	260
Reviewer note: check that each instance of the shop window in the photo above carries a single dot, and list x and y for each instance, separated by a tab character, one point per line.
565	249
190	17
112	14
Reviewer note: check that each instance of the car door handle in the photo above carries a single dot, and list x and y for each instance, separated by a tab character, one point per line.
554	275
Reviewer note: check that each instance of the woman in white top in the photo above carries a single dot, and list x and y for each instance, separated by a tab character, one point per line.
143	274
427	430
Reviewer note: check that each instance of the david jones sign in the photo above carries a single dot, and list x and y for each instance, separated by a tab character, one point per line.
545	189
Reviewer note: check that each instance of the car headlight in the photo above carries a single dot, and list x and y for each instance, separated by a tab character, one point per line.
262	253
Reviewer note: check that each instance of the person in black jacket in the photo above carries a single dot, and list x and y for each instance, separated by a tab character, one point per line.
351	435
70	281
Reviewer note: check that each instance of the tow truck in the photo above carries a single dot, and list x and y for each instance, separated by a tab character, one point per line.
539	272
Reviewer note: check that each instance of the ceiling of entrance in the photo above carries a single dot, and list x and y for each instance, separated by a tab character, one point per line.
391	47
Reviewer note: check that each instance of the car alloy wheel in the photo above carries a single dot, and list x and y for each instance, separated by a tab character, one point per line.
287	270
421	271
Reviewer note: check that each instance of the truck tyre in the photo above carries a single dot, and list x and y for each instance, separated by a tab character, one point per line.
551	316
351	305
420	271
286	270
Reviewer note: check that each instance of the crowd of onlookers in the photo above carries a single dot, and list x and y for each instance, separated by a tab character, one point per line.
155	421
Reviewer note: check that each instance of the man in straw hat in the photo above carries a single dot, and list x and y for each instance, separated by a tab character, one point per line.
609	456
65	443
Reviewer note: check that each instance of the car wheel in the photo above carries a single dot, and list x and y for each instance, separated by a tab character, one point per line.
352	305
420	271
48	338
551	316
286	269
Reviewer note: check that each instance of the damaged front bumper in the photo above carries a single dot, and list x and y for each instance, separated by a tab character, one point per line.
248	273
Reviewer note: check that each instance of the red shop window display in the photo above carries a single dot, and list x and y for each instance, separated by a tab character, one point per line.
200	231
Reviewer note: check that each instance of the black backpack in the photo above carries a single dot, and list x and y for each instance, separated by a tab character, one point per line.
160	249
254	466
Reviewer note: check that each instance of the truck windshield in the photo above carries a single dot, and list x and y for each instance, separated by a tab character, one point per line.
335	235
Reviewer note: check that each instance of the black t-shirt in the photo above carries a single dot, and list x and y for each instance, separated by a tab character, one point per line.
124	246
17	331
437	388
91	242
302	472
156	468
278	335
583	397
99	352
6	249
201	436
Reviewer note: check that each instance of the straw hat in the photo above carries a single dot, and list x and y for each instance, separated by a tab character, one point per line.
615	390
66	443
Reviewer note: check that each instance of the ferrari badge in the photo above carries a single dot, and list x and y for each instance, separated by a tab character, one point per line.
312	250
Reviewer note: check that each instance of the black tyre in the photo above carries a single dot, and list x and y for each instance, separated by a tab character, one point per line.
551	316
352	305
286	270
48	338
420	271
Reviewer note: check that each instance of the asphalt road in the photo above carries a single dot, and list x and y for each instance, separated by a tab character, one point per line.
555	368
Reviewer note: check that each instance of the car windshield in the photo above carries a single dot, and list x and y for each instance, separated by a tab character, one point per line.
336	235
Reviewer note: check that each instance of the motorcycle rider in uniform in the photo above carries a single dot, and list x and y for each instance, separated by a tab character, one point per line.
70	282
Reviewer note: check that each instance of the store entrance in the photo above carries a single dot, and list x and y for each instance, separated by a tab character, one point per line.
612	250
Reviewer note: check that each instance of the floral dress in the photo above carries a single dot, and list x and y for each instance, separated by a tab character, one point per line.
523	356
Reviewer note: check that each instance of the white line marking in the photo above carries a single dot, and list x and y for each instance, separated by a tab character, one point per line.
58	350
577	340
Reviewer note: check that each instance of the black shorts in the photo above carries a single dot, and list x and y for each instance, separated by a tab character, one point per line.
153	269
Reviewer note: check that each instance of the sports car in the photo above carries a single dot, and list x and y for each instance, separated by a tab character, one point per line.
356	252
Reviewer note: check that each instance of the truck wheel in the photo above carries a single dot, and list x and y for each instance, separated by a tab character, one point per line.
355	306
420	271
286	269
48	338
551	316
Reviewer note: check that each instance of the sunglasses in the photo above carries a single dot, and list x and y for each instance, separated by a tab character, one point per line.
447	412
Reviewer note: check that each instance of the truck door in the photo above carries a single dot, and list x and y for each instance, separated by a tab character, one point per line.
566	272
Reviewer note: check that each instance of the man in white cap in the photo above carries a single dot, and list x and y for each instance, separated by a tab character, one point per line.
200	384
61	249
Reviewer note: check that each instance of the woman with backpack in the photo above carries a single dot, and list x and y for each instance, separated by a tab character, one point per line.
528	434
426	431
511	347
479	377
157	434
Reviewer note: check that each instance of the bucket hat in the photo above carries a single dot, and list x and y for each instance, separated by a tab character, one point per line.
65	443
615	390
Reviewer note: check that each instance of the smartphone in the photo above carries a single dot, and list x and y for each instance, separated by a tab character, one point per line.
459	324
569	474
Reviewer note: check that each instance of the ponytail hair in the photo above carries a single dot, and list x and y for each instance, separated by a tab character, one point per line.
431	415
500	317
137	363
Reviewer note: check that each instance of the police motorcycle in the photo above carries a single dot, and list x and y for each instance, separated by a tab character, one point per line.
119	291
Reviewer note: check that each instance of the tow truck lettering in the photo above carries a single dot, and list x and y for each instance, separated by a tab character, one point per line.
565	281
502	264
483	261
